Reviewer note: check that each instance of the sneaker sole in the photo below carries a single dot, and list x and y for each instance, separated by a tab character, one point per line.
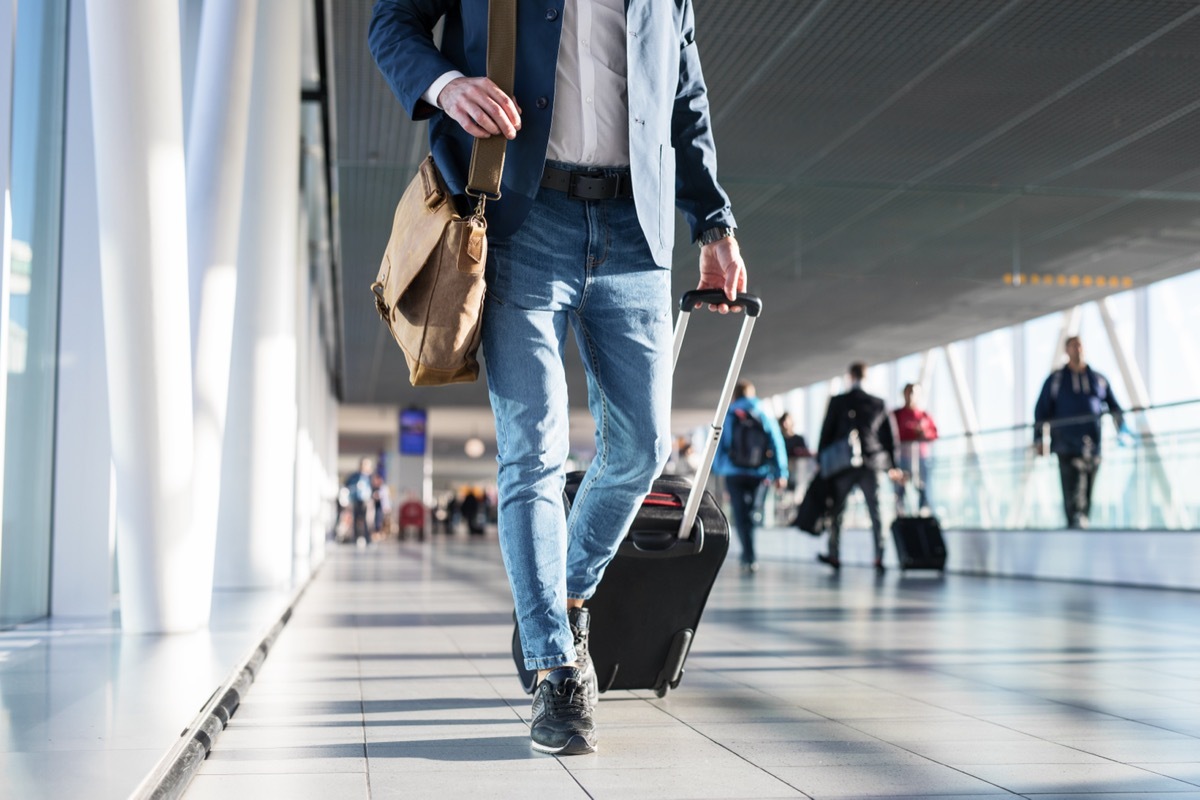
575	746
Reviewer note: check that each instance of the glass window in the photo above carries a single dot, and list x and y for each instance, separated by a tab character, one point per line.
37	148
1097	349
1175	339
994	380
940	400
1040	339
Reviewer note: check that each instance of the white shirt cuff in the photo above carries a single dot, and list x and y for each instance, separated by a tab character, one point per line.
435	88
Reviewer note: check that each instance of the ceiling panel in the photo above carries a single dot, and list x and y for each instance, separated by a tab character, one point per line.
889	162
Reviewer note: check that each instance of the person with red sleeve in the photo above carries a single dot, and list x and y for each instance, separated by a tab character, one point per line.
916	430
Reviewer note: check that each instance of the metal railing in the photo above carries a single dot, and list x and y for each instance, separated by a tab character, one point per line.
994	480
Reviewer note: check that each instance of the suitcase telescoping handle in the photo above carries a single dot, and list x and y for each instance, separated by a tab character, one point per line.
752	307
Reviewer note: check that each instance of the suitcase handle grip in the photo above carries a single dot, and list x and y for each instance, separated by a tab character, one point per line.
662	543
751	303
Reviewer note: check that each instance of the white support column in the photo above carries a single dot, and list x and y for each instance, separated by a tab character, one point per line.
140	181
301	540
8	34
254	547
84	539
216	164
970	421
928	364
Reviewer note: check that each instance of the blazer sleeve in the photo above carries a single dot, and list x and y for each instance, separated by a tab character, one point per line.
400	38
698	196
829	426
887	437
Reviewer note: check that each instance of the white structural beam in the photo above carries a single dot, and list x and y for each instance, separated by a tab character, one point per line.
8	34
254	543
970	421
84	521
134	57
928	364
216	164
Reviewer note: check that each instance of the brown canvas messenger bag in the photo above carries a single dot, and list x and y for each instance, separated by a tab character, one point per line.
430	286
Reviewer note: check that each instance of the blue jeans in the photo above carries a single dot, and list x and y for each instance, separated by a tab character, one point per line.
586	265
904	463
746	493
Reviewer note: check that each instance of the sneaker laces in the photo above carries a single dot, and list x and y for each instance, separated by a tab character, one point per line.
571	697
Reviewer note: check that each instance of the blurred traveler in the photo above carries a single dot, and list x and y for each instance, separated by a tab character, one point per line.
750	455
358	484
1071	404
857	425
916	429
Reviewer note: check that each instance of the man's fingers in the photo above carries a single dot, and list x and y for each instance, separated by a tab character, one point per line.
499	117
481	108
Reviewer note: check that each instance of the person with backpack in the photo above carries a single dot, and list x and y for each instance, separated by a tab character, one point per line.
359	486
1071	405
750	456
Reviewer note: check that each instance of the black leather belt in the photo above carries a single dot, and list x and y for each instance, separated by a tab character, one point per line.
587	184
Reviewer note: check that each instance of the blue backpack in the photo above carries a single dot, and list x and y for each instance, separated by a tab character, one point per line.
750	445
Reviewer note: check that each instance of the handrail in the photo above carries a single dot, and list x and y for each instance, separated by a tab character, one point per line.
1025	426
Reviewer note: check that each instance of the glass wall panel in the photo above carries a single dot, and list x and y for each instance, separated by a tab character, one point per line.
1097	349
37	151
1175	339
1040	339
994	481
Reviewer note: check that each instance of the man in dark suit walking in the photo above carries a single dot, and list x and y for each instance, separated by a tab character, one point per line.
857	415
581	237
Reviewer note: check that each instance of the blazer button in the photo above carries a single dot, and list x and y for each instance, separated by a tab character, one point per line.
542	102
551	14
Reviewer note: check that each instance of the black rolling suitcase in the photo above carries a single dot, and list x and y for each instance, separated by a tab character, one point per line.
645	611
919	542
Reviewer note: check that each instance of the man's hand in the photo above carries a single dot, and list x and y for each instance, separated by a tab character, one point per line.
781	484
481	108
1040	449
897	475
721	267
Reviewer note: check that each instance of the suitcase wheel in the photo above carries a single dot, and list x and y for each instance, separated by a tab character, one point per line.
661	690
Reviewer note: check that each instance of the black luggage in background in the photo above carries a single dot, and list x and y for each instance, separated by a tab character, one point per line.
645	611
919	543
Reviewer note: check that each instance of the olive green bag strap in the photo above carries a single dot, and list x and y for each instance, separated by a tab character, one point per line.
487	155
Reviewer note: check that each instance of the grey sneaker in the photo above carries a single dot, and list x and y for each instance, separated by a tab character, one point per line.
562	715
580	620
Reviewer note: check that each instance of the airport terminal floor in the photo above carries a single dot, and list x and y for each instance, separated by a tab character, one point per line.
393	679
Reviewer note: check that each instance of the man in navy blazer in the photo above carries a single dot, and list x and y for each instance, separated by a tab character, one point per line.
609	132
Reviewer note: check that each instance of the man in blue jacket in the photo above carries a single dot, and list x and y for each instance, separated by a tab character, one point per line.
597	163
751	456
1071	405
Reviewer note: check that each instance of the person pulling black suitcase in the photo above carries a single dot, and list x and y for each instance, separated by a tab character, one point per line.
647	607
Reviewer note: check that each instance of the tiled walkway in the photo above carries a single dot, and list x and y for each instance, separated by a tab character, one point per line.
394	680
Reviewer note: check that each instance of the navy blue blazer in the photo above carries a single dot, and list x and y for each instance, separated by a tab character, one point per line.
673	160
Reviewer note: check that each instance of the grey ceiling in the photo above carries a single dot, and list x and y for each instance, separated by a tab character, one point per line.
889	162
